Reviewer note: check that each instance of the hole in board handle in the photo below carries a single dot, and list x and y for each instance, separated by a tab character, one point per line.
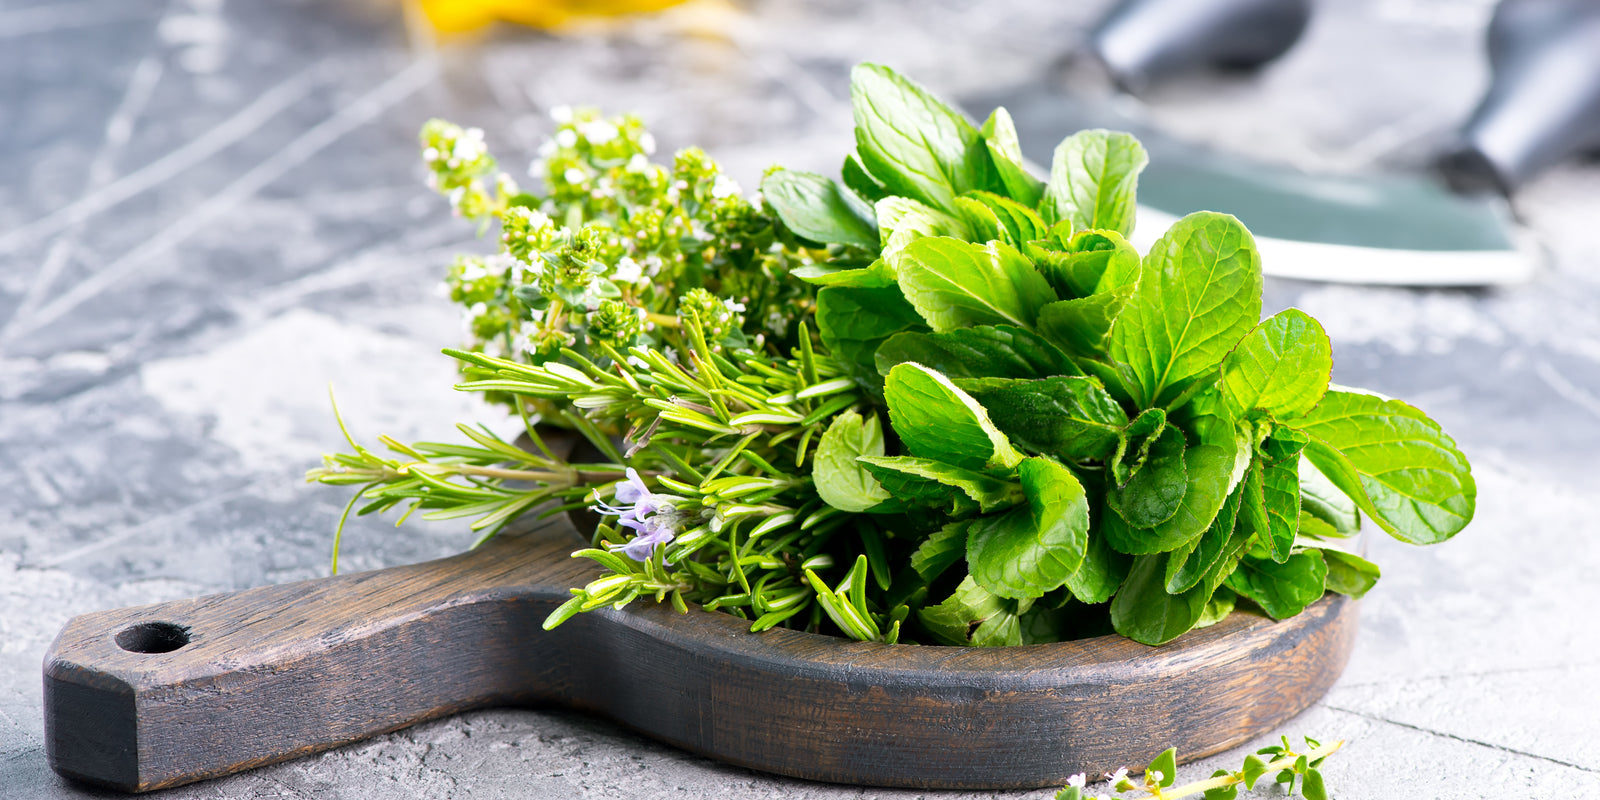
153	637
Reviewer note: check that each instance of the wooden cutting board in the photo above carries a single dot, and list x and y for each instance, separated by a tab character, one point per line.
161	695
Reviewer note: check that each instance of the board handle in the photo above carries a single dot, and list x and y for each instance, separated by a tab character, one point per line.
153	696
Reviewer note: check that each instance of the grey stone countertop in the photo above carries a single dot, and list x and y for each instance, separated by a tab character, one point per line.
210	209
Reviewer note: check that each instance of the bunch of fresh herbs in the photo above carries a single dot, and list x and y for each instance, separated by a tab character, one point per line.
941	401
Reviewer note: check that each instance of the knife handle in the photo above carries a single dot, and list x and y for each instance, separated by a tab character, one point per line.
1543	101
1141	41
158	695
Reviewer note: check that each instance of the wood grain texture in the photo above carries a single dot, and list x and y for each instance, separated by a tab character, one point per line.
277	672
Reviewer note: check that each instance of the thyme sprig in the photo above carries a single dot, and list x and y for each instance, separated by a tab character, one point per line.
1281	762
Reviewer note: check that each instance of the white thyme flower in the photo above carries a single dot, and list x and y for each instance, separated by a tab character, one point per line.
736	308
647	143
599	131
430	154
724	186
566	137
472	270
1120	777
1153	776
561	114
628	270
547	149
670	354
638	163
638	362
573	175
1077	780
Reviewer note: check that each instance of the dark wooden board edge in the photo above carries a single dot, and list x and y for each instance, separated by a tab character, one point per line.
278	672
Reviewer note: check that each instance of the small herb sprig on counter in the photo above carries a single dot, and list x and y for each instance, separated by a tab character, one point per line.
940	400
1286	767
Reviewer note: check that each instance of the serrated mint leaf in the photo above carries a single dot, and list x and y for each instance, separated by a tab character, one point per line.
936	420
906	478
1102	571
1348	573
1143	611
1223	539
1032	549
942	549
1199	293
1093	178
1279	498
955	284
1082	326
1087	263
1068	417
1280	368
1282	590
853	322
1394	462
818	209
858	180
840	481
875	275
1211	471
1156	488
1005	154
1134	442
1321	499
973	615
980	219
913	143
1217	608
1016	224
985	351
902	220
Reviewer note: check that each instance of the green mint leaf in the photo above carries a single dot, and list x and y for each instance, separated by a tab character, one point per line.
1016	224
913	143
1082	326
1397	464
1217	608
818	209
985	351
955	284
973	615
1089	262
942	549
1224	539
1143	611
853	322
1134	443
840	481
1320	498
1068	417
1348	573
1272	496
858	180
1155	489
1281	367
1212	471
1005	154
1032	549
1102	571
908	478
902	220
1199	293
1282	590
1167	765
981	220
936	420
1093	178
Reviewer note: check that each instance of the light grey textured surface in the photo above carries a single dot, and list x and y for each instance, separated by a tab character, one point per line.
209	210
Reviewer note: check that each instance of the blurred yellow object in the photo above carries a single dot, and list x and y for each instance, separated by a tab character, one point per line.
456	16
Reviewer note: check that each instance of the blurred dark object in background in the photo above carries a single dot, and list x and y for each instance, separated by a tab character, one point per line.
1143	41
1543	103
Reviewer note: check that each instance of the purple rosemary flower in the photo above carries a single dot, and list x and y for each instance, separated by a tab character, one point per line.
654	517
